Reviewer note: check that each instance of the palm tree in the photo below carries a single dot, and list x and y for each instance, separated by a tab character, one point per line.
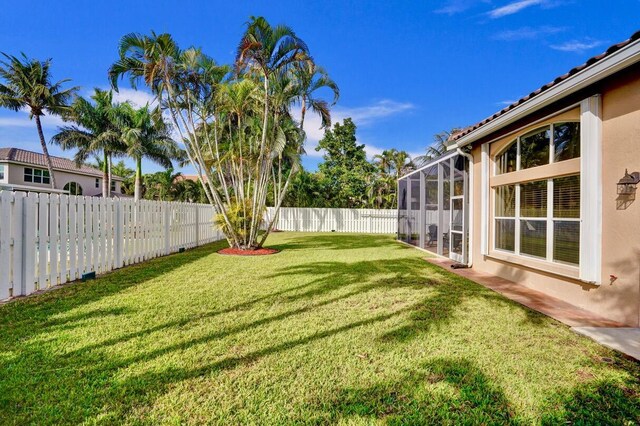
438	147
96	132
120	169
310	79
161	185
268	51
237	129
147	136
27	85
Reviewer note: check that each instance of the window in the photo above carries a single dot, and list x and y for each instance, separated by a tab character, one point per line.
113	186
539	219
1	171
507	161
73	188
36	175
505	213
546	224
566	220
535	148
566	138
97	183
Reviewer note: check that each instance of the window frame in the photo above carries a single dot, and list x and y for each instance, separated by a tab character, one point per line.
3	172
513	178
517	140
36	175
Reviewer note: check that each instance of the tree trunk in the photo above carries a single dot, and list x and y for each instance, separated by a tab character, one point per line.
138	189
45	151
105	176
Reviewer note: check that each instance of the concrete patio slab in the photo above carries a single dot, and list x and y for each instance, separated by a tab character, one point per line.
625	339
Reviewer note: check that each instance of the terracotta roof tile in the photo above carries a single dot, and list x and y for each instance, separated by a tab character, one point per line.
37	159
575	70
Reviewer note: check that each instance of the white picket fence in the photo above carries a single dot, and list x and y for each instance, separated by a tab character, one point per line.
47	240
369	221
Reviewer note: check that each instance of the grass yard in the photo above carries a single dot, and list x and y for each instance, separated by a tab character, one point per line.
347	329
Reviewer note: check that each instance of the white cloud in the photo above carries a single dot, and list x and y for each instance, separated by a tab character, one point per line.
137	98
21	119
505	103
362	117
577	45
514	7
527	33
453	7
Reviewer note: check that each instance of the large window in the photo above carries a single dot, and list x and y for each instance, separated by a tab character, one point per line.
1	171
540	218
36	175
545	145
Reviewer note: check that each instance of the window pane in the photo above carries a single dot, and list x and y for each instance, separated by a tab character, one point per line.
566	197
1	171
534	148
566	138
505	234
506	201
533	237
507	160
566	242
37	172
533	199
457	215
46	180
456	243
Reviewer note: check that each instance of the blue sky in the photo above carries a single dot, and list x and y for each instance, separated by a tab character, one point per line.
406	69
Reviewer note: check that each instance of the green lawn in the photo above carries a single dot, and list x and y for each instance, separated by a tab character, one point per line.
348	329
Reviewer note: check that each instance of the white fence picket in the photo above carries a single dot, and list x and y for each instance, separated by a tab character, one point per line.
46	240
6	199
370	221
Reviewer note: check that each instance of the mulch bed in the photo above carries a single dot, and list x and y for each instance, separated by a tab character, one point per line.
238	252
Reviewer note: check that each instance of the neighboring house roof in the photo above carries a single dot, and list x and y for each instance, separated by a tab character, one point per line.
23	156
590	63
193	178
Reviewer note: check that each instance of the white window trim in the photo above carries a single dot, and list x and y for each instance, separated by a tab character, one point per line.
548	217
591	190
484	200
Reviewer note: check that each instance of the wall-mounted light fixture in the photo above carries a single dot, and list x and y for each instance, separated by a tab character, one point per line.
629	183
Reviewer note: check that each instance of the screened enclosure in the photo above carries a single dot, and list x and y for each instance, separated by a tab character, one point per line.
433	208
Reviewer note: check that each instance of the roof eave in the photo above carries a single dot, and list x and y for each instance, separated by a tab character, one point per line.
613	63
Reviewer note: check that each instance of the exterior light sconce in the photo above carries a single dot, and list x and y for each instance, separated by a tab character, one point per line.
628	184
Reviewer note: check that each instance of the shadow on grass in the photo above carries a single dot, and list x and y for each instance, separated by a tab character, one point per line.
597	403
338	241
87	385
443	391
31	315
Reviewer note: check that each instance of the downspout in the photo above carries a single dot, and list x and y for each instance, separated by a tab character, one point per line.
470	190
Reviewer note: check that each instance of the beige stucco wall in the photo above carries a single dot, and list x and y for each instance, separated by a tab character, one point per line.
619	298
15	176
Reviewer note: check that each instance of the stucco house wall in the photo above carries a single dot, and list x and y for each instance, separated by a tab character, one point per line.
618	295
15	176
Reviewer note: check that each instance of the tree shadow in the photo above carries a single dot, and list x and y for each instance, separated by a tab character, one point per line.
338	241
442	391
25	317
602	402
